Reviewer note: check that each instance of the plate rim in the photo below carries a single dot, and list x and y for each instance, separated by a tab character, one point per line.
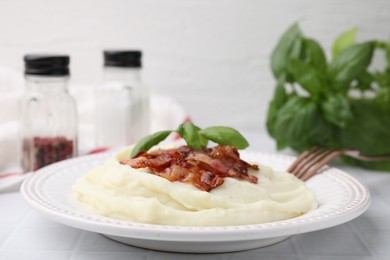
129	229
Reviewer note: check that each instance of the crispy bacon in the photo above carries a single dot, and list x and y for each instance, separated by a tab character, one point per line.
206	170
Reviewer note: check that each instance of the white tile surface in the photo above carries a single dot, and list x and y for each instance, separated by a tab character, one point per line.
379	241
42	238
12	209
266	257
172	256
372	223
92	242
108	255
331	243
34	255
282	249
339	258
5	231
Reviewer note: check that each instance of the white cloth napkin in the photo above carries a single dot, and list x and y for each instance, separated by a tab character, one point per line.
165	114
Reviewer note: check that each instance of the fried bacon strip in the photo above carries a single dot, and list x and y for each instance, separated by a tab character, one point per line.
206	169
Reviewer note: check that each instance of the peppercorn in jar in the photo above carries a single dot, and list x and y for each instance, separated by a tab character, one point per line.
48	113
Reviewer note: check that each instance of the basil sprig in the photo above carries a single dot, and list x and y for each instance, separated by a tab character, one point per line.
195	137
337	103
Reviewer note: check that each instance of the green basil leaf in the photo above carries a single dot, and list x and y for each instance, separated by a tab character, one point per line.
310	78
289	46
375	165
190	134
382	98
336	110
369	132
382	78
351	62
295	53
203	141
225	135
314	55
299	125
343	41
364	81
385	47
279	98
149	141
386	77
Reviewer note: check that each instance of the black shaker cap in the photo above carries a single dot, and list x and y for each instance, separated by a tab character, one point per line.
46	65
123	58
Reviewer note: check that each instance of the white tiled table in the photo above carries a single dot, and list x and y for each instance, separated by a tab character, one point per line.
24	234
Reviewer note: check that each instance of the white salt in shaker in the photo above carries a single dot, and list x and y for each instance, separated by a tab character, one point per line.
122	101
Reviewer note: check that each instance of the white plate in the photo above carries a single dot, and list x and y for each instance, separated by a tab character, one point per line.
341	198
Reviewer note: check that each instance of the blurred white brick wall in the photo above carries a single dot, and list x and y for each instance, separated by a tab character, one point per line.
212	56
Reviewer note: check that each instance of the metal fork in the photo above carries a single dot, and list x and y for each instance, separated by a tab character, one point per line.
310	162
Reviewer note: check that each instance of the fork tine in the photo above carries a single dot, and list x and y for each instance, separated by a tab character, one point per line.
310	162
325	160
302	158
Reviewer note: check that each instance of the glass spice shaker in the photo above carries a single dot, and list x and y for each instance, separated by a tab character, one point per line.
122	101
48	113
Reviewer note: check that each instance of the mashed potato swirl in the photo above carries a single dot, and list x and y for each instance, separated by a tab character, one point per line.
119	191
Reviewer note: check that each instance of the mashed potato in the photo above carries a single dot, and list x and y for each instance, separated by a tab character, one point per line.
121	192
